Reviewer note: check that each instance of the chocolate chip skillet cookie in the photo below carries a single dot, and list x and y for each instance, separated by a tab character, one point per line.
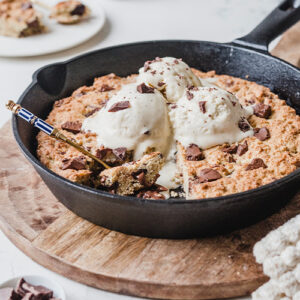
172	127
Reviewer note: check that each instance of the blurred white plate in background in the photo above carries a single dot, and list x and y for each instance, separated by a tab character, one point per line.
59	37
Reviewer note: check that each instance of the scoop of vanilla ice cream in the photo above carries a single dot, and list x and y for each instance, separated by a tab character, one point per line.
169	74
145	123
209	116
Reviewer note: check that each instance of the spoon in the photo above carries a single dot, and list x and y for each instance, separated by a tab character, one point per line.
48	129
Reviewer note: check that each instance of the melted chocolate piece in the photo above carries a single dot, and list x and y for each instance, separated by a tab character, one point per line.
230	149
34	24
193	153
255	164
207	175
73	127
189	95
262	110
144	89
159	188
32	292
92	112
147	65
76	163
120	153
202	105
106	88
119	106
79	10
242	148
243	125
101	153
140	176
262	133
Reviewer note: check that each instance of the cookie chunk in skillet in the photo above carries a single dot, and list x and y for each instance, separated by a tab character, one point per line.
18	18
133	176
271	153
69	12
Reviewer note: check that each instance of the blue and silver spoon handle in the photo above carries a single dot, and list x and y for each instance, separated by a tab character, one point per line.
48	129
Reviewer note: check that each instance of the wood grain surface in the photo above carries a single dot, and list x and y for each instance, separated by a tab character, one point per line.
41	227
210	268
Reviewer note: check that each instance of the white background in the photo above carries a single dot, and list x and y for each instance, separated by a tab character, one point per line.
128	21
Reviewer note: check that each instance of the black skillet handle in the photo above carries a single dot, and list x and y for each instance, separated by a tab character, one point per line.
278	21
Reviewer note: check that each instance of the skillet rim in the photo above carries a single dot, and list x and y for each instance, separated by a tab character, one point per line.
135	200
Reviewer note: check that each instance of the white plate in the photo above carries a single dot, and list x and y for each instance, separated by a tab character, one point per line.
58	291
59	37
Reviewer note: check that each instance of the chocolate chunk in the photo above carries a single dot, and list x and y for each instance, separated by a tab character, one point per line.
150	195
243	125
144	89
140	176
76	163
207	175
160	84
189	95
26	5
31	292
37	292
192	88
34	24
120	153
261	133
147	65
231	159
92	112
106	88
147	132
9	294
233	103
262	110
119	106
79	10
176	61
159	188
153	72
255	164
202	106
101	153
242	148
73	127
19	289
193	153
230	149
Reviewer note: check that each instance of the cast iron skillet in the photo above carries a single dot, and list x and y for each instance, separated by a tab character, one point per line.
173	218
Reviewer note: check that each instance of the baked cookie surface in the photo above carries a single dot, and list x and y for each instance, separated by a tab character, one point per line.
270	154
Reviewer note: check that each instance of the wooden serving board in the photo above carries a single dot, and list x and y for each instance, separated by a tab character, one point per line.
41	227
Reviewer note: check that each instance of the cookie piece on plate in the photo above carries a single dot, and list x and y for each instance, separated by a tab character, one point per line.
18	18
69	12
133	176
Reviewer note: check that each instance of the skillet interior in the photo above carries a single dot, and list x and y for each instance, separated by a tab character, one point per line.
171	218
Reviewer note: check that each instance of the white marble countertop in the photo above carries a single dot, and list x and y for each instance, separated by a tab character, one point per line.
128	21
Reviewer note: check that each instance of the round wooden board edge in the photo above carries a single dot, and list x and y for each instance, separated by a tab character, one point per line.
126	286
